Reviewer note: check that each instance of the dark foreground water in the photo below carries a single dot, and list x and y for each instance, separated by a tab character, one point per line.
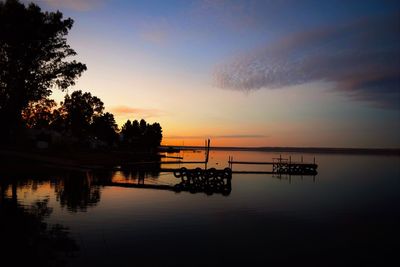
347	215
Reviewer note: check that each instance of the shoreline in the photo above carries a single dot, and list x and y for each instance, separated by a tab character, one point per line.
75	160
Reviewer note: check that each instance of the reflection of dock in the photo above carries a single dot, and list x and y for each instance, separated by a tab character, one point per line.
145	186
204	180
209	181
177	162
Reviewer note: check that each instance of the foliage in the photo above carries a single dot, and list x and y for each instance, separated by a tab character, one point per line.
81	115
104	128
33	58
141	134
79	110
41	114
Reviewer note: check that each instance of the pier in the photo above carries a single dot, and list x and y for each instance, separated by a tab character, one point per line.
280	166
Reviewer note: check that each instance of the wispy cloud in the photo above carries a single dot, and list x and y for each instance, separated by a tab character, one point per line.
77	5
233	14
156	36
126	111
156	30
362	59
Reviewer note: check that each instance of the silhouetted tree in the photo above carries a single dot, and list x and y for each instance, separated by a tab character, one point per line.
131	133
79	110
81	114
33	53
40	114
59	122
141	134
153	135
136	131
126	129
104	128
143	126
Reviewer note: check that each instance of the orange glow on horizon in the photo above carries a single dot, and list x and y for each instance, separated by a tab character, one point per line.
220	142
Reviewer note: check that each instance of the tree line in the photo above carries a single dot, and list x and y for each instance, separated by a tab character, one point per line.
82	115
35	58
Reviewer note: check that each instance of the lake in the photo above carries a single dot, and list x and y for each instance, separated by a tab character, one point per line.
346	215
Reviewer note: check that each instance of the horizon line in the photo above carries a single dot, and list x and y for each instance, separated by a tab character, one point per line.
392	151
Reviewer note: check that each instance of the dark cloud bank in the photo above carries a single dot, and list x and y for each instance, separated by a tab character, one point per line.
361	58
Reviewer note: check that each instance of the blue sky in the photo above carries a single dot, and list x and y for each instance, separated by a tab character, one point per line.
250	73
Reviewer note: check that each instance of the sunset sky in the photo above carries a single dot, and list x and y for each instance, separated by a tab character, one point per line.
244	73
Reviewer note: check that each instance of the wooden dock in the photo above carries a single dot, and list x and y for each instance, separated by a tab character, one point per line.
280	166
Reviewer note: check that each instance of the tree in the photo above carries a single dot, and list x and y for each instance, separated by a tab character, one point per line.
33	53
143	126
40	114
79	111
136	131
104	128
153	135
131	133
126	127
141	134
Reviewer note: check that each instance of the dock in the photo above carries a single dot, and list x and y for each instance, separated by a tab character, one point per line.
280	166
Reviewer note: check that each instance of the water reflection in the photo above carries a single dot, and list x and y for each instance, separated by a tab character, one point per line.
140	173
194	181
289	178
209	181
77	191
351	213
25	236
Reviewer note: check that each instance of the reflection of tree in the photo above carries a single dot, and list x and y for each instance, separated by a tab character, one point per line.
77	192
141	173
74	190
26	238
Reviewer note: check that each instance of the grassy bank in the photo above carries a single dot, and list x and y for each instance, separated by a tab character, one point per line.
73	159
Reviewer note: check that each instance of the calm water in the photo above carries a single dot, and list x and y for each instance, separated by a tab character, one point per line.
347	215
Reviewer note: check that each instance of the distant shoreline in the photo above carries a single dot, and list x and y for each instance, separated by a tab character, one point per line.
317	150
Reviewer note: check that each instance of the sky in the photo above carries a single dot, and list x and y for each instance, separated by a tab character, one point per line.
244	73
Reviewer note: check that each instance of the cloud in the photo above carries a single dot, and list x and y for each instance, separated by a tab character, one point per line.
232	14
135	112
240	136
157	36
361	58
77	5
156	30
